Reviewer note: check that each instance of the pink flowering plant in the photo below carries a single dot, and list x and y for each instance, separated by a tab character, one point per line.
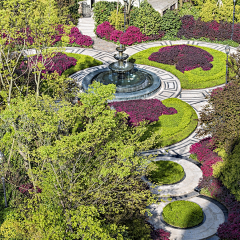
140	110
184	57
160	234
28	188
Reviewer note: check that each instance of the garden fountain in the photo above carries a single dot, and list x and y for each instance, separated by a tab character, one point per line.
131	81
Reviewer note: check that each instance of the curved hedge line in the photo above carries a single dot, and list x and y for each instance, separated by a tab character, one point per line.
165	172
183	214
174	128
83	61
194	79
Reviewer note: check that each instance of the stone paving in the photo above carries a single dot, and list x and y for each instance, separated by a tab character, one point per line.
178	152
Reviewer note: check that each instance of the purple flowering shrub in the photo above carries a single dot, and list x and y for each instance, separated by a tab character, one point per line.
230	229
59	63
115	35
140	110
28	187
184	57
213	30
104	30
160	234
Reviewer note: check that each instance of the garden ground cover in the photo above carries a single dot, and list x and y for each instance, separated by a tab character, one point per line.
183	214
173	128
194	79
165	172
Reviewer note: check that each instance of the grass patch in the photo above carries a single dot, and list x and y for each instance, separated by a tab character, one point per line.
182	214
194	79
165	172
83	61
173	128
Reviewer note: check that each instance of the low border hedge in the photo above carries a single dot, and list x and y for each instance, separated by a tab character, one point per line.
194	79
183	214
165	172
173	128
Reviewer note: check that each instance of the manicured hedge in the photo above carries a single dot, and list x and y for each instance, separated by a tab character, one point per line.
83	61
174	128
165	172
194	79
183	214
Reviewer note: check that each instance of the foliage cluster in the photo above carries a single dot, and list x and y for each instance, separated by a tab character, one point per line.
165	172
143	109
182	214
160	234
117	19
102	11
173	128
205	154
189	9
189	79
213	30
146	18
184	57
170	23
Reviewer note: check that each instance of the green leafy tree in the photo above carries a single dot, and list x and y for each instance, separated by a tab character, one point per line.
85	158
146	18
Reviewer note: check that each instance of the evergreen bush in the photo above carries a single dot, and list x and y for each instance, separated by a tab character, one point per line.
117	19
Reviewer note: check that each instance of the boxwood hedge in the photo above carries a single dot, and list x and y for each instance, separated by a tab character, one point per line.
194	79
173	128
183	214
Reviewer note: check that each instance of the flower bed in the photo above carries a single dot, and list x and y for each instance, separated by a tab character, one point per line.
171	129
183	214
195	78
131	36
184	57
213	30
165	172
140	110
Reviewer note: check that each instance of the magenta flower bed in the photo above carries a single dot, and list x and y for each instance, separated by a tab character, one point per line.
160	234
230	229
204	151
28	187
131	36
184	57
59	63
192	28
140	110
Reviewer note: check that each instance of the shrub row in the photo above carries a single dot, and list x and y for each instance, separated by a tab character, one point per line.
229	229
184	57
140	110
213	30
131	36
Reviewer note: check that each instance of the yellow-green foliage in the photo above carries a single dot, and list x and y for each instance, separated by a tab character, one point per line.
117	19
196	78
174	128
217	168
211	11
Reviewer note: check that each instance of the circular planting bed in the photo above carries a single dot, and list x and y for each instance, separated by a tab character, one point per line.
165	172
210	71
183	214
173	128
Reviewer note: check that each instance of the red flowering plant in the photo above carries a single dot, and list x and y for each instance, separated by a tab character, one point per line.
140	110
28	188
160	234
184	57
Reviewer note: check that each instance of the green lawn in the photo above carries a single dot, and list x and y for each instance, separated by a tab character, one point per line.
165	172
194	79
173	128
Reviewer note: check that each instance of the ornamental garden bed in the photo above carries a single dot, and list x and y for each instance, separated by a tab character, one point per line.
190	78
173	128
165	172
183	214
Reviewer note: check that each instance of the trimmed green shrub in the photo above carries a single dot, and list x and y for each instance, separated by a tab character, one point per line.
165	172
146	18
83	61
183	214
194	79
189	9
173	128
102	11
171	23
117	20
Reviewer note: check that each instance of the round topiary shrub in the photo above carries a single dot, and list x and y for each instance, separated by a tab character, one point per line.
183	214
165	172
